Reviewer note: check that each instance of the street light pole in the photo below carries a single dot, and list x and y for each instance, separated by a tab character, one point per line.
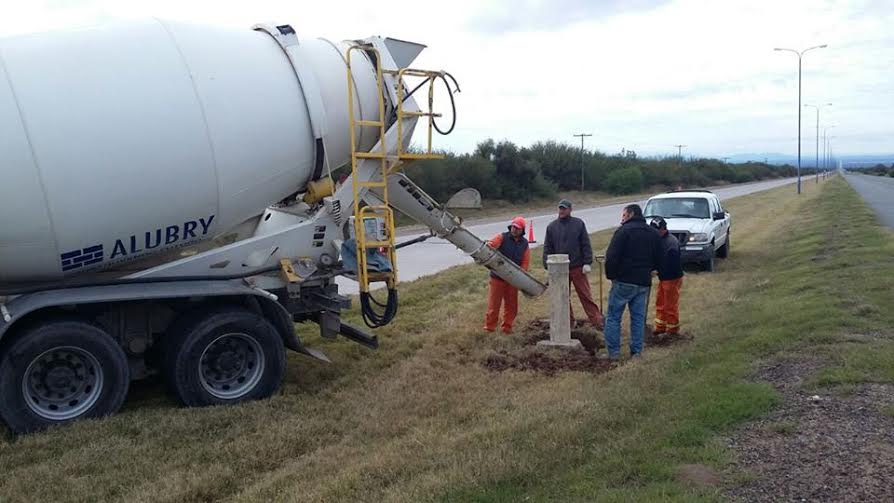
826	160
582	136
817	135
800	54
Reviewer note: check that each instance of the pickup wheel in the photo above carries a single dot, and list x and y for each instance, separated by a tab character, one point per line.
59	372
224	357
723	252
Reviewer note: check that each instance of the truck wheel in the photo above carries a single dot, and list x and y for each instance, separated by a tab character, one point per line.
224	357
60	372
723	252
709	264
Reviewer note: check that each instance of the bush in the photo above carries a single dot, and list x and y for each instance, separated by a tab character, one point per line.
625	180
503	170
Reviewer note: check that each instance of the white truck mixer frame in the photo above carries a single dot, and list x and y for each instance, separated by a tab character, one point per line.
119	259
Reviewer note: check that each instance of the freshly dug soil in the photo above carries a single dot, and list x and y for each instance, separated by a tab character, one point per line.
817	447
538	330
550	361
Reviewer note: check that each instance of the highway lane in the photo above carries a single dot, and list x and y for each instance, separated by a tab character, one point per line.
878	192
436	254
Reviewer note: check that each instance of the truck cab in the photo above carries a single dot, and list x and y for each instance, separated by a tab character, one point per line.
698	221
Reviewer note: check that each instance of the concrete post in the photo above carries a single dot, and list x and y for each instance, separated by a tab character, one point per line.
559	294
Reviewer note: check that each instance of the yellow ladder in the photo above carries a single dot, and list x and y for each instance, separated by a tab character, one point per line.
364	277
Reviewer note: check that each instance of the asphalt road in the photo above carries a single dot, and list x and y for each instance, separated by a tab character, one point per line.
878	192
435	255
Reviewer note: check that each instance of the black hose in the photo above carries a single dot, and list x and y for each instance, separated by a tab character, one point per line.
450	92
375	319
413	241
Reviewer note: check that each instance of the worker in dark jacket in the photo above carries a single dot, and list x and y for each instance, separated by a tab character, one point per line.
568	235
632	255
670	281
513	245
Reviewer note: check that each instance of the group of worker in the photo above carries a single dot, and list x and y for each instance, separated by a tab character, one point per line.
637	252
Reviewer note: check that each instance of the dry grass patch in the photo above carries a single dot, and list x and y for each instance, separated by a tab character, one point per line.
421	419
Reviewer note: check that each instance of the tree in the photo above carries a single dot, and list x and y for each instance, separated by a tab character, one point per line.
625	180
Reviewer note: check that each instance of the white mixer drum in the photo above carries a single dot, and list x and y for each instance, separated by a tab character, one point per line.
124	141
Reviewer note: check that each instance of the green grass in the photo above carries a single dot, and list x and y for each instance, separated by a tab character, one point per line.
422	420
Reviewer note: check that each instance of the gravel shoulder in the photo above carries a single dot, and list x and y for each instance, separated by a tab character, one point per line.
818	445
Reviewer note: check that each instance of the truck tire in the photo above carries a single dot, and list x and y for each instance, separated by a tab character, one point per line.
58	372
723	252
709	264
224	357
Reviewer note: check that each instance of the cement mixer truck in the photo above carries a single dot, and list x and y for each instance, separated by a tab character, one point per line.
168	206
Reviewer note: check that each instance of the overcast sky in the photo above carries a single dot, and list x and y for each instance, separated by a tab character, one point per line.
638	74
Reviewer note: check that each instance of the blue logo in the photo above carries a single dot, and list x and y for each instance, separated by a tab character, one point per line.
79	258
138	245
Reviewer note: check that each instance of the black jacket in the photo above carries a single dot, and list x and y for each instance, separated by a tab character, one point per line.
568	236
670	267
634	252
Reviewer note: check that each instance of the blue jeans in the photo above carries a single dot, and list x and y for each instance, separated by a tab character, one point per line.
621	295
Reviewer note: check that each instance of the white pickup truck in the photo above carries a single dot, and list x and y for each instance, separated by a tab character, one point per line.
697	219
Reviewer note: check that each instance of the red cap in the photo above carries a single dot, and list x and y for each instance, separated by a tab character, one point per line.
518	222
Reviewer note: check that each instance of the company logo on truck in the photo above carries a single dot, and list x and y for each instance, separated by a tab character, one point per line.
137	245
79	258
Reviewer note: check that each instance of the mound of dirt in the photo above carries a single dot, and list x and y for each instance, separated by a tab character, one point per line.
548	362
538	330
552	361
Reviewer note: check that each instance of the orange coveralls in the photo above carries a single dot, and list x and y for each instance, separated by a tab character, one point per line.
501	292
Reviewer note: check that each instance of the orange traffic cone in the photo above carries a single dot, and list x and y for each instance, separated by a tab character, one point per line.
531	231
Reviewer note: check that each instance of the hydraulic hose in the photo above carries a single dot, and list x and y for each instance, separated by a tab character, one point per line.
371	317
450	92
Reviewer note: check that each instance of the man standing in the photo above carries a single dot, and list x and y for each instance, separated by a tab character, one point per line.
568	235
632	255
513	245
670	280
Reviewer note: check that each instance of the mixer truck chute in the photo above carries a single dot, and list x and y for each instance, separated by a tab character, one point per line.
168	207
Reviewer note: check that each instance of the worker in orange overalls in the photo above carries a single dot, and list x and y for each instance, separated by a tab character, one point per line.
670	281
513	245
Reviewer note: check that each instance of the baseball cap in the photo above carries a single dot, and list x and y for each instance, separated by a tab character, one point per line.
658	223
565	203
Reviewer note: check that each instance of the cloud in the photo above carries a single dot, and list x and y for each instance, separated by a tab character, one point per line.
535	15
644	74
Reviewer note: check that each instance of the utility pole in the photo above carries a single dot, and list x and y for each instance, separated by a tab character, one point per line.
679	154
582	136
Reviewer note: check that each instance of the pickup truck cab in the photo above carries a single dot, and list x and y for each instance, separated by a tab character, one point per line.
698	221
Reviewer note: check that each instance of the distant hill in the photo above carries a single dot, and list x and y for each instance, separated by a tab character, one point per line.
807	159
